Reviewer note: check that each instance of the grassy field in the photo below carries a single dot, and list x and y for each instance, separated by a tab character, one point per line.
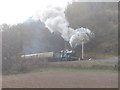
82	66
85	65
73	70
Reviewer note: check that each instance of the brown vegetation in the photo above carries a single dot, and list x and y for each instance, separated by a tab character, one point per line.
62	79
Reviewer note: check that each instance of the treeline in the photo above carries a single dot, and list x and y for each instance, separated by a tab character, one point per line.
32	36
102	19
26	38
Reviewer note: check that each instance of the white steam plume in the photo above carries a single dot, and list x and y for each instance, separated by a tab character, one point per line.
55	21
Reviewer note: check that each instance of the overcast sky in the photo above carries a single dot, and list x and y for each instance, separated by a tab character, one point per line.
17	11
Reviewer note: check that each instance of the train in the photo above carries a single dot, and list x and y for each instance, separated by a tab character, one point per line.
63	55
66	55
38	55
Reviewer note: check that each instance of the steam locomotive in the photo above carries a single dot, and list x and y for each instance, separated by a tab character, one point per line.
63	55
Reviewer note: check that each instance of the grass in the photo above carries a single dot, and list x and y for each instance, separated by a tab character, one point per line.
73	70
13	72
82	66
86	65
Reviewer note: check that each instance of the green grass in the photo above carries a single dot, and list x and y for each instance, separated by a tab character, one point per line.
90	63
73	70
82	66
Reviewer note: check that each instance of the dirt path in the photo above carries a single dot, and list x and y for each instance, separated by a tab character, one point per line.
62	79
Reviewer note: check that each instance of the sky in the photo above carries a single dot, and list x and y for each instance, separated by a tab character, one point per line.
17	11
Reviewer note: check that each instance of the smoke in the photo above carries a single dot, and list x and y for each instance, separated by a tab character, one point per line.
79	35
54	19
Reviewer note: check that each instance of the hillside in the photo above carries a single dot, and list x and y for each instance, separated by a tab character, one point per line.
102	19
33	37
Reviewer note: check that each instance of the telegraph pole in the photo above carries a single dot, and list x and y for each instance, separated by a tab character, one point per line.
82	47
